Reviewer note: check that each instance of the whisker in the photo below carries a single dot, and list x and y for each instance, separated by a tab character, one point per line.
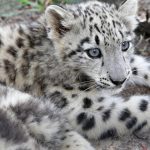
90	87
143	81
132	82
139	69
86	82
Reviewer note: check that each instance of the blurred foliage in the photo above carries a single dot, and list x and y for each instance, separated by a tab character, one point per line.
41	4
38	4
9	8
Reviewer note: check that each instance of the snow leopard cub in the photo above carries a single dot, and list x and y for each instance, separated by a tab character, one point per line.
78	57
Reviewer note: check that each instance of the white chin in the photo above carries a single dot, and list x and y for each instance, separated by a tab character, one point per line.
111	91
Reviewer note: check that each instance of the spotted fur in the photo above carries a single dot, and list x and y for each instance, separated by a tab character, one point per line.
80	94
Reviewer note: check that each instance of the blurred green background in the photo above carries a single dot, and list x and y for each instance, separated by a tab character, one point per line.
14	7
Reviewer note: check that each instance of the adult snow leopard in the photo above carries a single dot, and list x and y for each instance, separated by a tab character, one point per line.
78	58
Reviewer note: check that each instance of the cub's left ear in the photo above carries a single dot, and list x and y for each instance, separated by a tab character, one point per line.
128	11
58	19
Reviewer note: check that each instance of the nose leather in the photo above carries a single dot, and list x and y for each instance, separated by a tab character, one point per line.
117	82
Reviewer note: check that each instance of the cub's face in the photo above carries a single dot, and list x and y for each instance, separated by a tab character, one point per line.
95	39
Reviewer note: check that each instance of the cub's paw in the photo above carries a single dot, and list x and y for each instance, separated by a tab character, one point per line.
74	141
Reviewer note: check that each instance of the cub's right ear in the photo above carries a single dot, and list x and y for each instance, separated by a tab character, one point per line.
58	19
128	11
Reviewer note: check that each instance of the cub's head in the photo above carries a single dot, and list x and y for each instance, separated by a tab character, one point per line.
95	39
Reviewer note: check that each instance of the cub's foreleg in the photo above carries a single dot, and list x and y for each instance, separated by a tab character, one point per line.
100	118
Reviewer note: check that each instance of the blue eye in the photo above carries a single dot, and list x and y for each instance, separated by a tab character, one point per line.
94	53
125	46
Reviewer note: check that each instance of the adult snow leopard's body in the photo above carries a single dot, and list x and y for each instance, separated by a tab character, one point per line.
79	57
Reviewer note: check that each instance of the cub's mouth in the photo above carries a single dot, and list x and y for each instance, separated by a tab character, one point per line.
86	83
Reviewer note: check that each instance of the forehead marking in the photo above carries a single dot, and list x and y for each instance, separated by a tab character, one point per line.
121	33
91	29
85	40
91	11
97	40
96	27
114	24
91	19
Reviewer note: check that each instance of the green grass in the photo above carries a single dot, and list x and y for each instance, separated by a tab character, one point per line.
38	4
